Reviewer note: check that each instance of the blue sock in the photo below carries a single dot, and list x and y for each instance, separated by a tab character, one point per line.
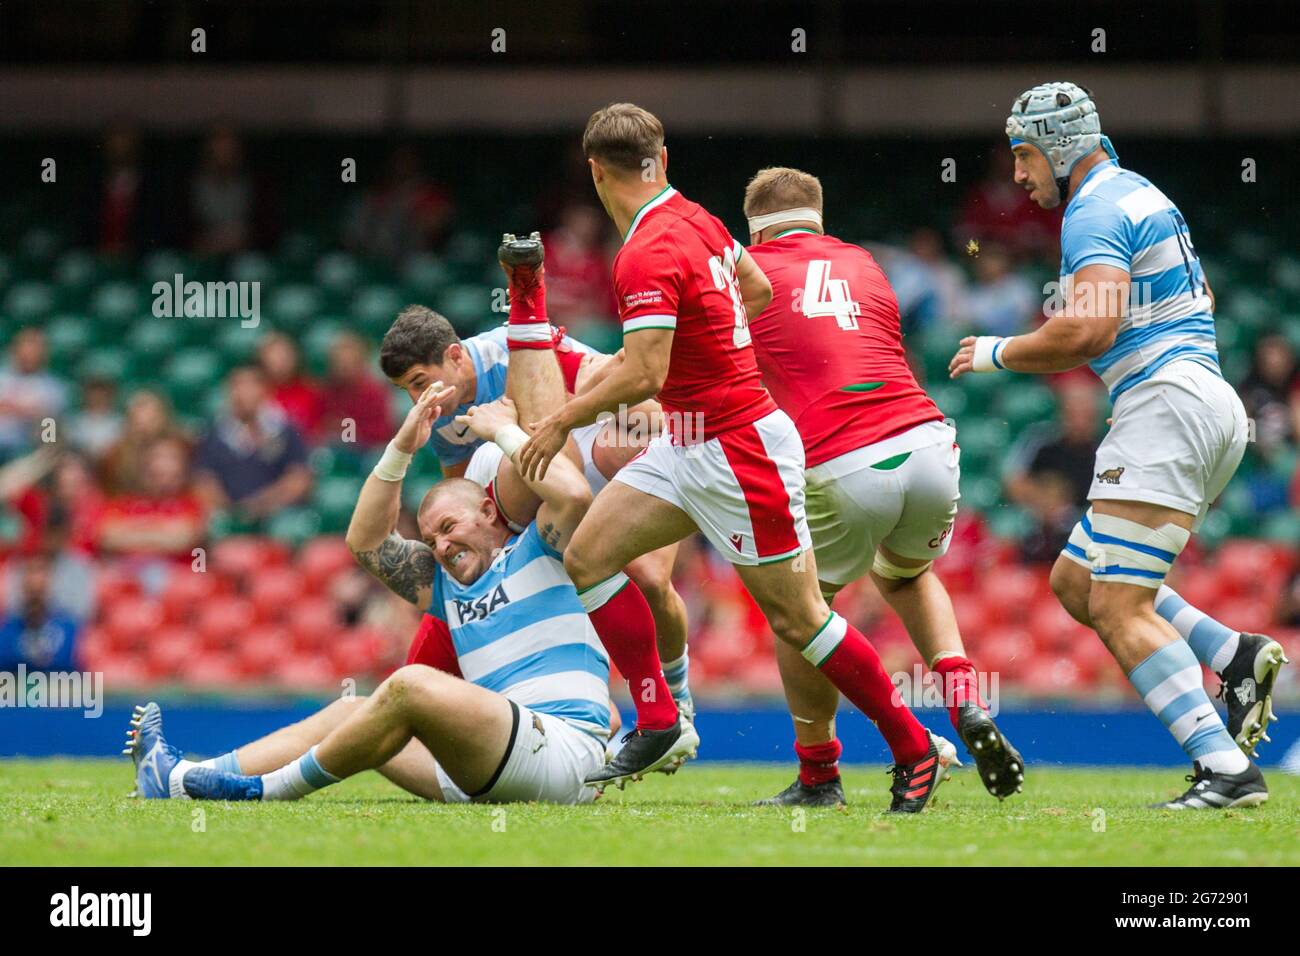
226	763
205	783
1169	682
677	674
1213	643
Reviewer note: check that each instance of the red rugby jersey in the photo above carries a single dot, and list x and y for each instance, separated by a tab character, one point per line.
830	346
677	270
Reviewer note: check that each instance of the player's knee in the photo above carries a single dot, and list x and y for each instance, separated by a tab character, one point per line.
654	580
578	567
409	684
795	623
1071	592
1111	610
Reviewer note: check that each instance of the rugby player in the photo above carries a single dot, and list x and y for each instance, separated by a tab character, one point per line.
1138	309
731	463
881	466
422	347
511	696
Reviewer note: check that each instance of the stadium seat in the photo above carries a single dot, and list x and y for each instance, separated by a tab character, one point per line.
263	650
273	590
186	591
168	650
221	624
321	559
313	623
242	556
130	622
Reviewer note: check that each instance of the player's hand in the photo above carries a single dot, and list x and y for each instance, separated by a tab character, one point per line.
964	360
489	418
418	426
549	436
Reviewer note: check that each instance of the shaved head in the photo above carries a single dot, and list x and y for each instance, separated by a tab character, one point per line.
461	489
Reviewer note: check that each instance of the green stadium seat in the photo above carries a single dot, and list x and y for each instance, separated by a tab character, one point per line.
294	526
116	302
68	338
253	267
980	492
334	500
76	271
1283	528
950	398
1010	522
292	305
375	307
29	302
339	272
164	265
425	276
237	342
315	343
466	306
111	362
188	375
1023	403
156	339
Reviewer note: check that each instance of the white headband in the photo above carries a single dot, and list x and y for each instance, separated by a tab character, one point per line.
758	223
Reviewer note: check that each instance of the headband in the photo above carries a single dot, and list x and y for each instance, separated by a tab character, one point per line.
758	223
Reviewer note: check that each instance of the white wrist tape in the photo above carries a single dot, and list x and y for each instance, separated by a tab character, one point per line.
510	438
392	464
988	352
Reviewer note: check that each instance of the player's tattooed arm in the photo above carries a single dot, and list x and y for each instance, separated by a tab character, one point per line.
550	535
403	566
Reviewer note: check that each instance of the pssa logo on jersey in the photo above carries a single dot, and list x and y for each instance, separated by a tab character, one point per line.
1110	476
481	608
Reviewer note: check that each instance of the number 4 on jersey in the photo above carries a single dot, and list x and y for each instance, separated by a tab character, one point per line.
824	296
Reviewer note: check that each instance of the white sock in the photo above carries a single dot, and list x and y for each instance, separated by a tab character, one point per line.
297	779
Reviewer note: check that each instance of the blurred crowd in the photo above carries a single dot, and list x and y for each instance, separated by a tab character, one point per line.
104	489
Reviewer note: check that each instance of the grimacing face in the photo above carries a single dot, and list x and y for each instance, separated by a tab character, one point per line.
456	370
1034	174
463	533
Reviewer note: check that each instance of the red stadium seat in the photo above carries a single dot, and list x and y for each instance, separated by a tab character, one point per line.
211	669
223	623
168	650
273	592
306	673
187	591
124	671
130	622
357	653
112	583
321	559
241	556
313	623
264	650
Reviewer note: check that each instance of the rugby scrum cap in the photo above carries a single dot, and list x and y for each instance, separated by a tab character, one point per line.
1061	121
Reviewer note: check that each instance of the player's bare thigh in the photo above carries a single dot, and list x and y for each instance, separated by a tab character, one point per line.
465	727
621	525
789	595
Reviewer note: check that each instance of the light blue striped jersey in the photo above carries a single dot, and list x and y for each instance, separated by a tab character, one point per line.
521	631
1118	218
454	443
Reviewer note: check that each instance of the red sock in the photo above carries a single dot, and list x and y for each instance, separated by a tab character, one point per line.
854	667
529	326
818	763
959	684
627	629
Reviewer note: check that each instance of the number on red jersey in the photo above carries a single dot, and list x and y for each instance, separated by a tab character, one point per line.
823	296
723	269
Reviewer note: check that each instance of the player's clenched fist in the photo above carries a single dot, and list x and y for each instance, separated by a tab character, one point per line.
418	426
549	436
489	418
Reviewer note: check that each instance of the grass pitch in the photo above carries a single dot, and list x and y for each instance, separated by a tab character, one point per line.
75	812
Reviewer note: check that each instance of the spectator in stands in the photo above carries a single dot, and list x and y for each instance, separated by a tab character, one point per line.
38	633
296	394
1271	394
164	521
72	574
228	209
405	213
96	426
148	416
356	406
579	287
29	393
998	211
251	461
122	209
1000	301
1050	470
